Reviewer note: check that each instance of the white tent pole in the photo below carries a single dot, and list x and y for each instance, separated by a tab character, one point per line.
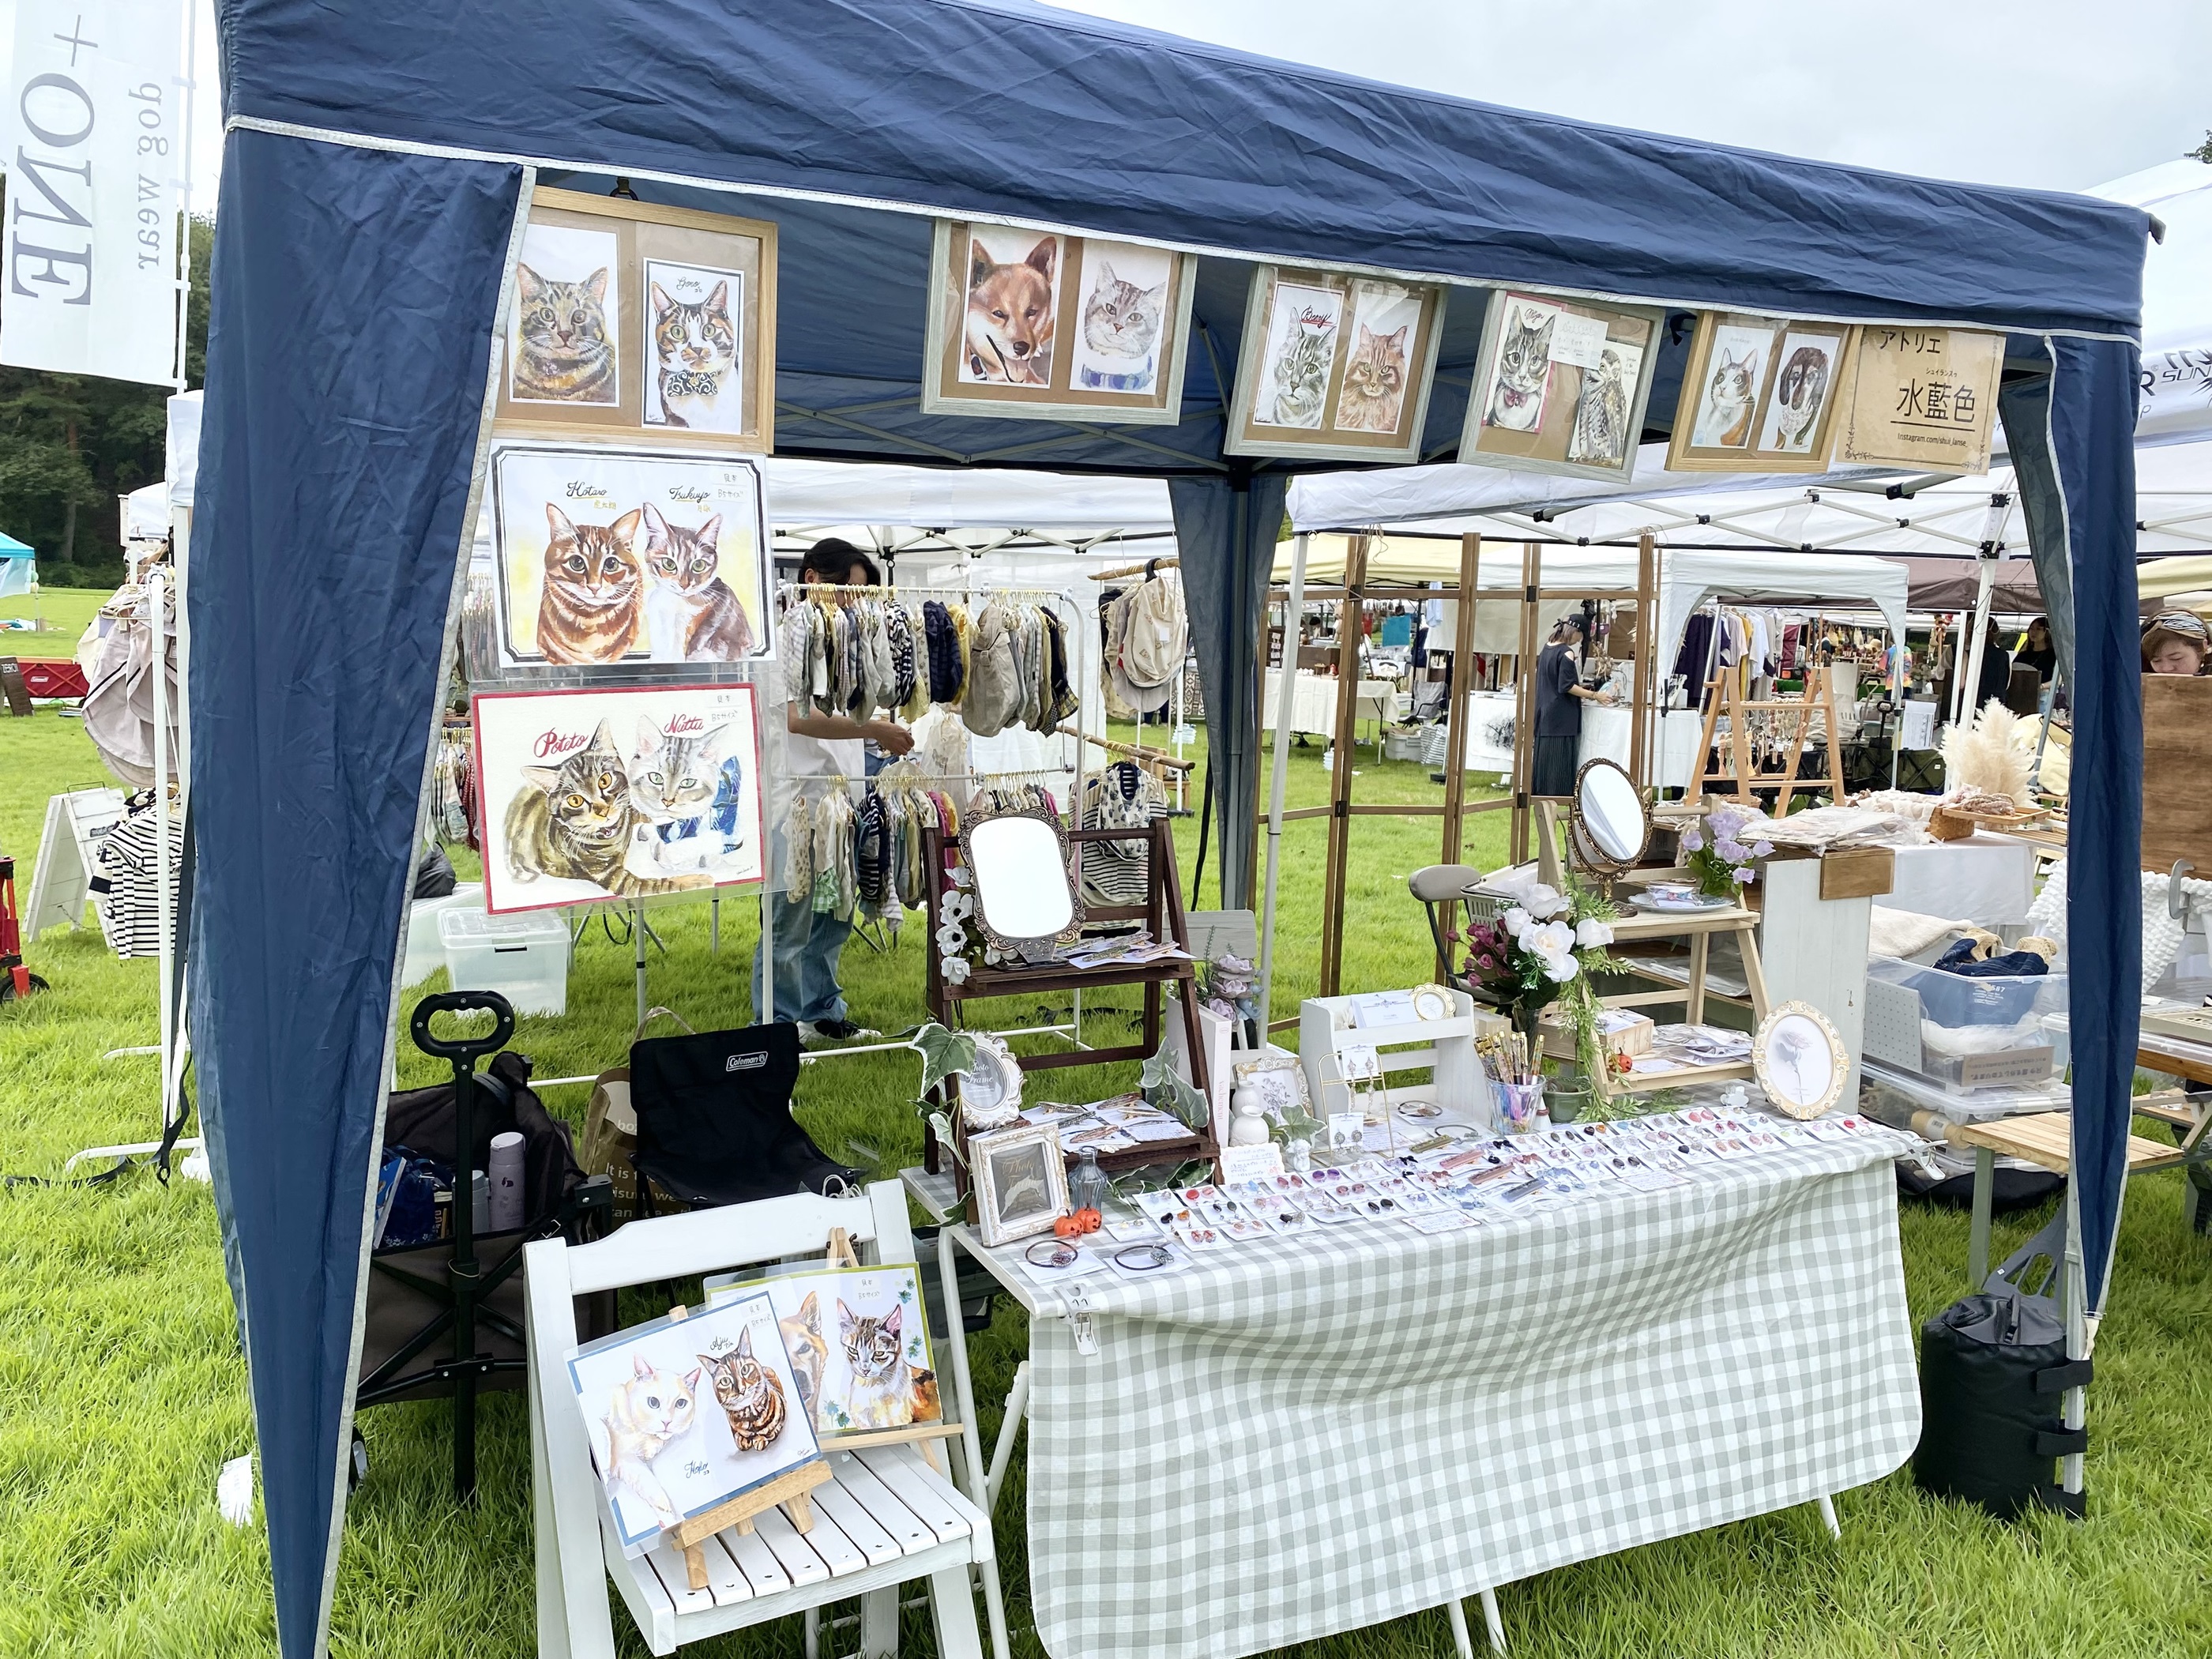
185	185
164	897
1971	650
1279	777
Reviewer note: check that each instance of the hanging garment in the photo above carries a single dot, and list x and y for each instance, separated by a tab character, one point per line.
993	697
118	708
1122	796
127	885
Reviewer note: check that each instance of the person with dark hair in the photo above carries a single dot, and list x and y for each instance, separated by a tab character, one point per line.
808	942
2037	652
1997	670
2176	642
1560	695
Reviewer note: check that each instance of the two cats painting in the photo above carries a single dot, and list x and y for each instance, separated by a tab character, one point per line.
859	1345
686	1414
1334	364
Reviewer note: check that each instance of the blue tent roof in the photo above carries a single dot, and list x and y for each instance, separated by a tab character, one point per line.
12	549
355	288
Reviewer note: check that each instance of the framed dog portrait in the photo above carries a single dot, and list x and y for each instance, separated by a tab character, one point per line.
1760	394
1020	1179
1033	325
1335	366
614	796
611	559
628	318
1561	386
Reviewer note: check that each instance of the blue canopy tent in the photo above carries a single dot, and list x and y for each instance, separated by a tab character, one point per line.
376	164
18	567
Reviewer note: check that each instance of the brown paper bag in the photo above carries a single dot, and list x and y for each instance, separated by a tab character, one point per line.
610	1130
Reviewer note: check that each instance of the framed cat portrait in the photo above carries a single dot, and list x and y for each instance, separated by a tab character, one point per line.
1760	394
858	1344
626	317
616	796
1335	366
685	1414
1561	386
1040	326
609	559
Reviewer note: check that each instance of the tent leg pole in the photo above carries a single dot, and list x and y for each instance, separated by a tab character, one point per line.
1278	776
637	934
2074	1403
714	926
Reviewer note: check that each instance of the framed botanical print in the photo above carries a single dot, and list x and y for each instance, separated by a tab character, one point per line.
1760	394
608	558
631	318
1560	386
1924	398
1041	325
1335	366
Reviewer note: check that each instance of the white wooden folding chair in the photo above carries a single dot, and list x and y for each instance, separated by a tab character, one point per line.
885	1519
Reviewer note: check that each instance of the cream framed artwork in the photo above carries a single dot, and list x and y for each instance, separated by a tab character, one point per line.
1019	1182
1760	394
611	558
631	318
1333	366
1923	398
1800	1060
1561	386
1044	326
858	1345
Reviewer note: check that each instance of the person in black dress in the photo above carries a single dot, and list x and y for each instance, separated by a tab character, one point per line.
1560	695
2038	652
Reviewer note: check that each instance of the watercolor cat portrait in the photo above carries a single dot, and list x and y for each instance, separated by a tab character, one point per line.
1561	386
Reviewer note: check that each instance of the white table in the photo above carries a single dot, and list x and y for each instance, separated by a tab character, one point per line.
1986	879
1307	1435
1313	703
1608	732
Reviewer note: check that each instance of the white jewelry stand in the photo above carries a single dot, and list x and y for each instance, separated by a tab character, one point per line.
1444	1047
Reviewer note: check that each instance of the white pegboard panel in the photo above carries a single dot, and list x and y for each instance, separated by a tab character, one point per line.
1893	1024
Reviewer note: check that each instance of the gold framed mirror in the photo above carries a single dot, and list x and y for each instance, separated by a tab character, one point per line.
1609	823
1027	901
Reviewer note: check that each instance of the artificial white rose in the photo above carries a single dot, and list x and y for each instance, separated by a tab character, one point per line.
1559	970
1553	938
1516	922
1546	902
1592	932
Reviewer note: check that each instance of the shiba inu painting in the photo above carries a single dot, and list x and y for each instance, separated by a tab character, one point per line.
1013	307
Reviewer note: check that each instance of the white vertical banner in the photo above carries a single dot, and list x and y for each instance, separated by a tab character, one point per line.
94	127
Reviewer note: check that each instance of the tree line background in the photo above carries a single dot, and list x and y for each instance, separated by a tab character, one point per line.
70	444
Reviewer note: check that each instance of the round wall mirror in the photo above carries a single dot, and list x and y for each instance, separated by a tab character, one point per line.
1609	823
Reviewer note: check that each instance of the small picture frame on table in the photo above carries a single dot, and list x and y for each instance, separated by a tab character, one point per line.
1801	1059
1019	1182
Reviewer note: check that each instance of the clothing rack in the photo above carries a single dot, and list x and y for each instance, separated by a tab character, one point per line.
1116	746
927	590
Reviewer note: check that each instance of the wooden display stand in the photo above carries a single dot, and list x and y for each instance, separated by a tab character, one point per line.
1733	766
1161	911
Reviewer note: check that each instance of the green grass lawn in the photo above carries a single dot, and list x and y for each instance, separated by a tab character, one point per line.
122	1390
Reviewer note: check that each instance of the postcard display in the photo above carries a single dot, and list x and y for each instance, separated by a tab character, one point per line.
618	742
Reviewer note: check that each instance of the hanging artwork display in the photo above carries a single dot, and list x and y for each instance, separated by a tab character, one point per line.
1760	394
597	795
1034	325
609	558
858	1345
1335	366
1560	386
1923	398
627	317
686	1413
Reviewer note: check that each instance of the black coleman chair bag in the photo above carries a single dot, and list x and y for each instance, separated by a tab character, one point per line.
713	1119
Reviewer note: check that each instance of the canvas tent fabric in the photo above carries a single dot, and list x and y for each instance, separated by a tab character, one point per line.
2176	338
373	167
18	567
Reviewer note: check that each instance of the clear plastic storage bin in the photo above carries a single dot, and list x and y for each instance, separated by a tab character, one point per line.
523	957
426	948
1961	1032
1905	1101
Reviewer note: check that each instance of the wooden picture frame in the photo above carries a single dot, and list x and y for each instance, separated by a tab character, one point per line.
602	257
1300	343
1800	1060
1908	387
1760	394
1008	332
1003	1168
1555	438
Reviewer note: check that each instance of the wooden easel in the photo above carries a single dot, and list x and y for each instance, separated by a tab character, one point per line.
1733	767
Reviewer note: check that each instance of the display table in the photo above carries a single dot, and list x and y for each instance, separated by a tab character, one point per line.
1305	1435
1986	879
1313	703
1607	730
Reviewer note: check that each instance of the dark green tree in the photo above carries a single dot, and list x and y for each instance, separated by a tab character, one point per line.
71	444
2203	152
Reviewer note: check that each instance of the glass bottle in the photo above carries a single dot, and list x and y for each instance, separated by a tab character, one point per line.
1086	1183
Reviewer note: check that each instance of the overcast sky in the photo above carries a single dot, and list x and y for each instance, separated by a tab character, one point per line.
2058	95
2055	93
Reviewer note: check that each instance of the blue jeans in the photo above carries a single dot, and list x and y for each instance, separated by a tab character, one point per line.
808	943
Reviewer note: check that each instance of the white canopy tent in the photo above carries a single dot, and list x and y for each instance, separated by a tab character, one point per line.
2177	340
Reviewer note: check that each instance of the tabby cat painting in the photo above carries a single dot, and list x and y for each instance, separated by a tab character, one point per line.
686	1414
593	796
859	1345
1120	334
610	558
562	335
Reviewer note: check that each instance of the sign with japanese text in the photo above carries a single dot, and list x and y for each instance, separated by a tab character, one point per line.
1923	398
94	133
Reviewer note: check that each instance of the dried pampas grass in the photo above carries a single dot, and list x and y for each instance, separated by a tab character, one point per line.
1985	759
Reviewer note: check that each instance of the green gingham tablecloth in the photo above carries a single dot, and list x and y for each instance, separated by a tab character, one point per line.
1307	1435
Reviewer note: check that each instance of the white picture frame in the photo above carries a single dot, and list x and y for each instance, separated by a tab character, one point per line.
1020	1179
1799	1058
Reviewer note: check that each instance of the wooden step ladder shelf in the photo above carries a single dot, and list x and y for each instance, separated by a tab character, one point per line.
1730	771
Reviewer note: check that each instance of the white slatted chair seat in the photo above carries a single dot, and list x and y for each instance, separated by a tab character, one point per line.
885	1518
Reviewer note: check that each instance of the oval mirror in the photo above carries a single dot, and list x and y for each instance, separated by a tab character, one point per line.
1610	822
1022	891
